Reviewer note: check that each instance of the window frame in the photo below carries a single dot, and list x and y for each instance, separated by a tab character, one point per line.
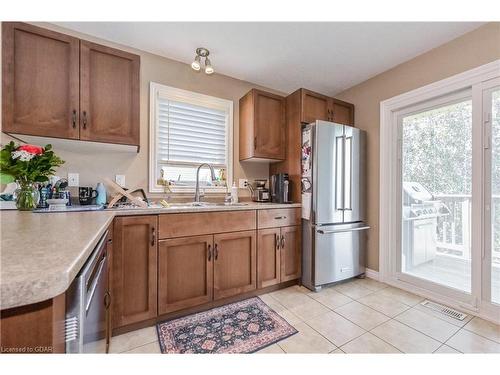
157	90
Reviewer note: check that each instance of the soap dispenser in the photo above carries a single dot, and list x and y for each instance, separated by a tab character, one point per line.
234	193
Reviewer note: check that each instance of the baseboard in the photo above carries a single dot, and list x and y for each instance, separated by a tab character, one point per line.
372	274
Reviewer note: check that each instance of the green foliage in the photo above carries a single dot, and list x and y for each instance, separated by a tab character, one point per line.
38	169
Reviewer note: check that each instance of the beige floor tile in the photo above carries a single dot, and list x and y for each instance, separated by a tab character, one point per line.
384	304
468	342
337	351
307	340
290	297
456	322
271	349
272	303
368	343
309	309
405	338
151	348
132	340
371	284
290	317
331	298
336	328
445	349
484	328
401	295
362	315
352	290
436	328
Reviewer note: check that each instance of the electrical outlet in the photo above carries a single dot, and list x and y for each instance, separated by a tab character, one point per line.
120	179
73	179
243	183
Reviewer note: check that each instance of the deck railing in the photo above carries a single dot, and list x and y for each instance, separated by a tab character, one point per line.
454	230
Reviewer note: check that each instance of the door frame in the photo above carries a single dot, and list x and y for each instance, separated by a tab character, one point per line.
389	226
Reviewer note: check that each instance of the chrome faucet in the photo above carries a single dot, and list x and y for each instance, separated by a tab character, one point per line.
197	188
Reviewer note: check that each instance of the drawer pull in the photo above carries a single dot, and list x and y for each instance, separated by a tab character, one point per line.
279	217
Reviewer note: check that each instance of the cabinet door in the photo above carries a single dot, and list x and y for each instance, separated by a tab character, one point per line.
268	257
234	263
185	276
341	112
109	95
40	81
291	245
134	288
269	117
314	107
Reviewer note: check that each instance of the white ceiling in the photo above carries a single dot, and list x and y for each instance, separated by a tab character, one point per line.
324	57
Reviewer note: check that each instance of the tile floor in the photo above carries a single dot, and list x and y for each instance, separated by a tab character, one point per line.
359	316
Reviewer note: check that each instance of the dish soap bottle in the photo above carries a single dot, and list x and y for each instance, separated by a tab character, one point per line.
101	194
234	193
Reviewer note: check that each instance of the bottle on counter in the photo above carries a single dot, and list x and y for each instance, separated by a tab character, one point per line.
234	193
101	193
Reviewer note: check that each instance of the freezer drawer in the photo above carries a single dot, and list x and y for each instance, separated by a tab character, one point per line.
339	252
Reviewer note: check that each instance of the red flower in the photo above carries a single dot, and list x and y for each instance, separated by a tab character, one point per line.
32	149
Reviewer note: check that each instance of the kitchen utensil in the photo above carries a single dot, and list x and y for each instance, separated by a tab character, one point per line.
86	195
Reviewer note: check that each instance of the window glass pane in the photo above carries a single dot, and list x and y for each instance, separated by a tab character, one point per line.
185	175
495	199
437	184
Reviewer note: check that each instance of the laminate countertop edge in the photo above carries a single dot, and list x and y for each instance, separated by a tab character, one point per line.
41	254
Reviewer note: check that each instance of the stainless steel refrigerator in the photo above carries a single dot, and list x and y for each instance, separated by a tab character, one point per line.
333	203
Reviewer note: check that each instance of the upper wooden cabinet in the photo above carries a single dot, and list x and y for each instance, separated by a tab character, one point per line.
134	271
40	81
55	85
109	95
316	106
262	126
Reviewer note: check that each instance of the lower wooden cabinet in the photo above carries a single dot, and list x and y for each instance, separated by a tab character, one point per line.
134	284
185	272
235	263
279	255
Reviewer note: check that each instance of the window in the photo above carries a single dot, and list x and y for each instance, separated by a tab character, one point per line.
186	130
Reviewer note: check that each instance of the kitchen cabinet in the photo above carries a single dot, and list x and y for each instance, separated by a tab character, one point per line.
134	284
40	81
303	107
268	257
235	263
262	126
291	253
109	95
185	272
55	85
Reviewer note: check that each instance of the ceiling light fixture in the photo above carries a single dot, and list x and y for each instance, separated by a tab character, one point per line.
196	64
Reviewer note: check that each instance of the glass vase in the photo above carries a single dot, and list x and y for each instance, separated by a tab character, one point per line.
27	197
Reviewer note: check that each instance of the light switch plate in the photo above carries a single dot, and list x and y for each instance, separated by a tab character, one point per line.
120	179
73	179
243	183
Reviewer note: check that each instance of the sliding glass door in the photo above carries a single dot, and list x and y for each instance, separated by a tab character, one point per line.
436	193
491	258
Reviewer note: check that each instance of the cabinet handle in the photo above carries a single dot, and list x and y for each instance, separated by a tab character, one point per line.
107	300
277	241
279	217
282	242
255	143
153	236
73	118
216	251
84	119
209	252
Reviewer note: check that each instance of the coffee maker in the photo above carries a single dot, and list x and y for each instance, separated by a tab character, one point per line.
280	188
260	193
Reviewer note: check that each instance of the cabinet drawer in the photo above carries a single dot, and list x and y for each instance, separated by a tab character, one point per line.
278	217
198	223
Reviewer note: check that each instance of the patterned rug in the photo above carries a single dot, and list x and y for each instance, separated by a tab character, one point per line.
241	327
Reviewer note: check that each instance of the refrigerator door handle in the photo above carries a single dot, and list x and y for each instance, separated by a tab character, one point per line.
339	171
321	231
347	177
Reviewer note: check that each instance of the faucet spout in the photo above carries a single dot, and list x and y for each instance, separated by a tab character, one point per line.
197	187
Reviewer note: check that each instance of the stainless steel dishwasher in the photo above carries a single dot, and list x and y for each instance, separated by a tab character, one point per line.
87	304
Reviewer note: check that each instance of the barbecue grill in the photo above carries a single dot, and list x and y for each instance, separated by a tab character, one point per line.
420	215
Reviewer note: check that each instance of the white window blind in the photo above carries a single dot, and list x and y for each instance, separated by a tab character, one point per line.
186	130
191	134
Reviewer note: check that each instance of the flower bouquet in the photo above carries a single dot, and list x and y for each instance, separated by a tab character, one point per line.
27	165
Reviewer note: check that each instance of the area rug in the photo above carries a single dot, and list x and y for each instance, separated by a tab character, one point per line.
241	327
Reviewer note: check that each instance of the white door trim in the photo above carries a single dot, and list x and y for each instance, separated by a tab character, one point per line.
389	169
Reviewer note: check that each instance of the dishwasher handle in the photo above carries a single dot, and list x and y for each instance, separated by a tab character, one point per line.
96	281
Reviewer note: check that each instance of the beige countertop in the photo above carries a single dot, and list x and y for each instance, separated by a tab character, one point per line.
41	253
